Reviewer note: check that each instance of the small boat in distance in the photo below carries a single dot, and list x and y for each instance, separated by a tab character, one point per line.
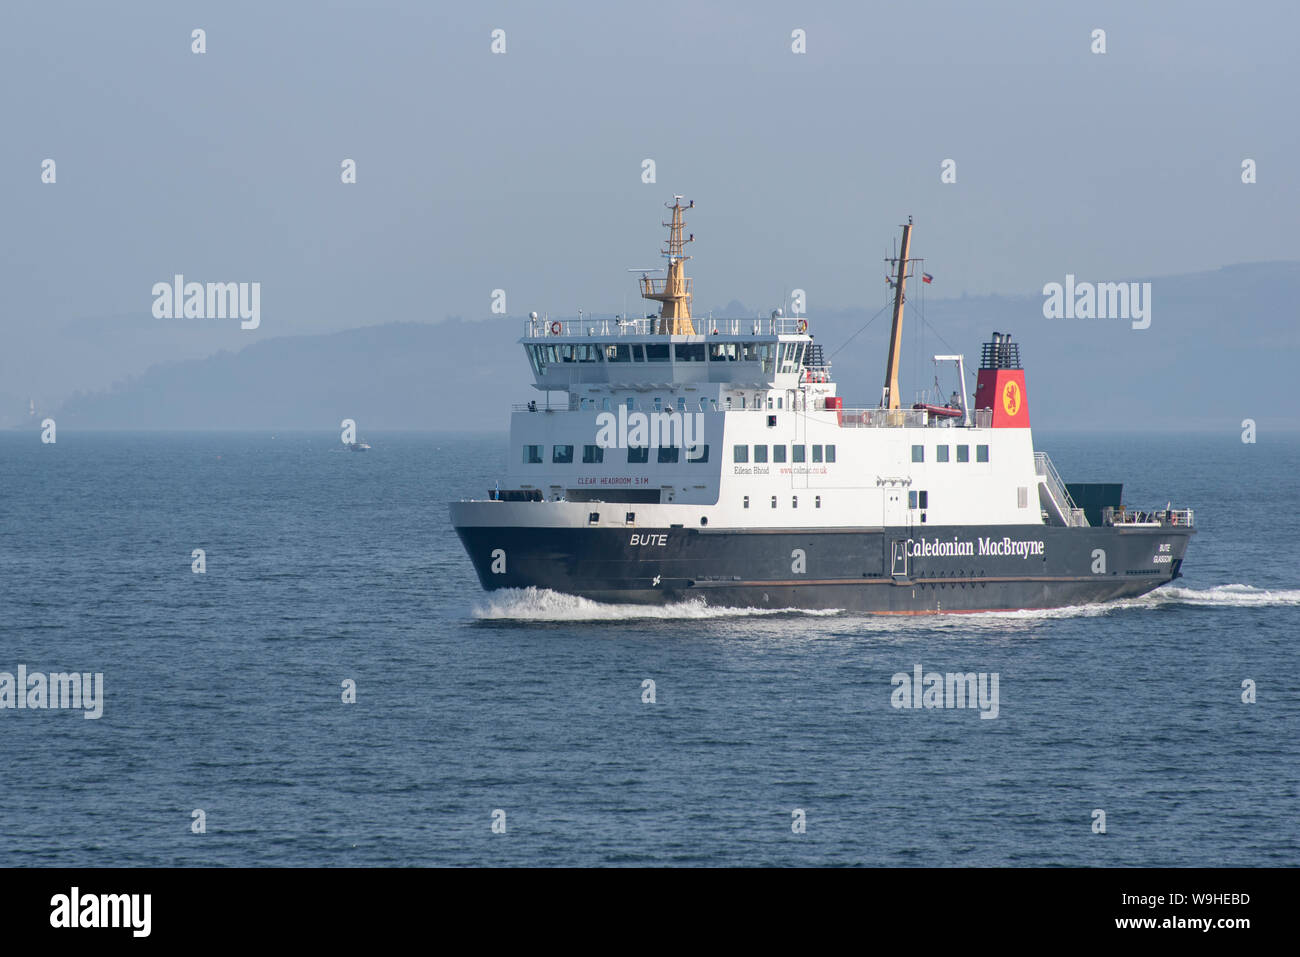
357	447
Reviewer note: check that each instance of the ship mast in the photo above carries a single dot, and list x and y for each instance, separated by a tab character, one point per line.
889	399
674	291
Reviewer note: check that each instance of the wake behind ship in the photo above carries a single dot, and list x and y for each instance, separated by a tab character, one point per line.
713	459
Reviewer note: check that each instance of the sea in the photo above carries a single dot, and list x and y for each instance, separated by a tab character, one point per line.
328	684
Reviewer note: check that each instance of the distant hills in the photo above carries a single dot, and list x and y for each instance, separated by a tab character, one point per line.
1222	346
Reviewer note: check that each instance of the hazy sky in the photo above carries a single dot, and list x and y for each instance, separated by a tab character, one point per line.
523	171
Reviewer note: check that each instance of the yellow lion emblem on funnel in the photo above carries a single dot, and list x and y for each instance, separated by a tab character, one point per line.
1011	397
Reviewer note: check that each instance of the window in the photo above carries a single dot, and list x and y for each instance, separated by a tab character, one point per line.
631	403
797	453
830	453
981	453
532	455
911	499
794	501
659	403
656	352
941	453
1022	497
746	501
681	403
817	502
963	453
618	353
698	454
740	453
592	453
630	518
778	401
668	454
760	453
817	453
636	456
593	518
918	453
769	400
604	404
690	352
771	421
774	501
778	453
925	499
562	454
728	402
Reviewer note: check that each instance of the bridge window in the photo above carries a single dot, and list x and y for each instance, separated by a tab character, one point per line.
918	453
778	453
697	454
618	353
562	454
592	454
798	453
941	453
981	453
637	456
963	453
817	453
656	352
690	352
532	455
760	454
749	352
740	453
668	454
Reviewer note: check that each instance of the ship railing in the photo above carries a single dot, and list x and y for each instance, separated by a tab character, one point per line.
541	407
1173	517
907	419
1069	513
648	326
882	418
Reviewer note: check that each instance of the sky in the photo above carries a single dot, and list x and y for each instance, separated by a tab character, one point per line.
523	171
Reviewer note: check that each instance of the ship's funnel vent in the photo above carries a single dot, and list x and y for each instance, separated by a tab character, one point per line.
1000	353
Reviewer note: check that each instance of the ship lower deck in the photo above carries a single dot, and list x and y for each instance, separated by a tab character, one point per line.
882	570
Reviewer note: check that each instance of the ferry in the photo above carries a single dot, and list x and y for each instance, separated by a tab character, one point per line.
673	458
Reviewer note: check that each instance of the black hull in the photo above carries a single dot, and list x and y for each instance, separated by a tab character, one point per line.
993	568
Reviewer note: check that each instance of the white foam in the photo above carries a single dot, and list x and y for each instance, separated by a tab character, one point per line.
541	604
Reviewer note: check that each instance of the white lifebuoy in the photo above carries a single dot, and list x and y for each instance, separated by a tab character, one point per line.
802	326
556	328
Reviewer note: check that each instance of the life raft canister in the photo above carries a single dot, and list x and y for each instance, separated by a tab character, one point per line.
802	325
556	328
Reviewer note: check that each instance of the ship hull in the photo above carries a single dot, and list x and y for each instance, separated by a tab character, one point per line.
877	570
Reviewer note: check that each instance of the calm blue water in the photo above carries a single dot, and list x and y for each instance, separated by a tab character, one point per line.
223	689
